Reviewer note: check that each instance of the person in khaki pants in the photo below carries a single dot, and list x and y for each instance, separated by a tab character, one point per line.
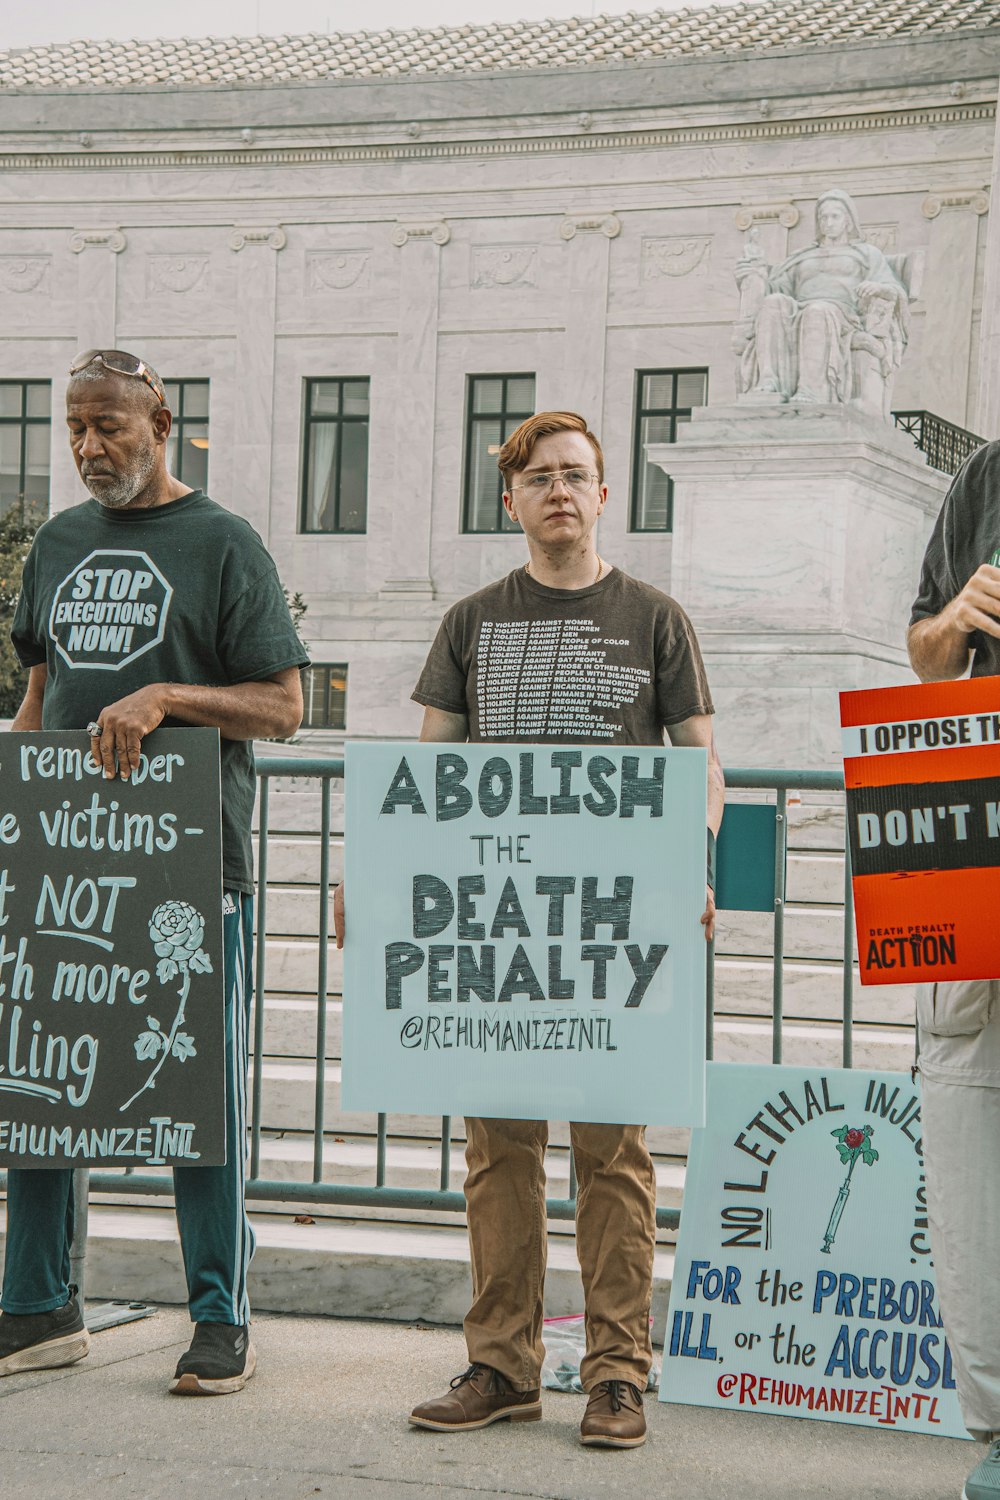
955	628
621	665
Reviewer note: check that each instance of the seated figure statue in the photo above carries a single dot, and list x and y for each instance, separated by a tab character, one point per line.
829	324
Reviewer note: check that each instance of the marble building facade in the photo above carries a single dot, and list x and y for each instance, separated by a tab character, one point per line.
575	223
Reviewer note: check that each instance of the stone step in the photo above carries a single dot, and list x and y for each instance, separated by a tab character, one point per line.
417	1164
815	878
301	812
812	989
288	1086
406	1273
809	932
294	859
812	992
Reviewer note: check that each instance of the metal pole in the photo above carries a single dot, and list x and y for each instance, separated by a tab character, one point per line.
848	956
81	1218
258	1030
321	985
778	981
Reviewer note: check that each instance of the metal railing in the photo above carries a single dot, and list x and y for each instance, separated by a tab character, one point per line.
379	1194
946	446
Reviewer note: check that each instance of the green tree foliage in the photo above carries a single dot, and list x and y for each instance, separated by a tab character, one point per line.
16	532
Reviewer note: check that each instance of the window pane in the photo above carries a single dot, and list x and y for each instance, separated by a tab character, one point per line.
194	456
10	400
487	395
324	695
196	398
658	390
10	466
325	398
652	511
172	391
521	396
338	698
484	476
354	476
321	498
356	398
38	400
692	389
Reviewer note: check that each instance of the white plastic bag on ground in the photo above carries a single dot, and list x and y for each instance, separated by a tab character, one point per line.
565	1345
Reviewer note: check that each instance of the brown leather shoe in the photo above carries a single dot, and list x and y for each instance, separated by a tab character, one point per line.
476	1399
614	1417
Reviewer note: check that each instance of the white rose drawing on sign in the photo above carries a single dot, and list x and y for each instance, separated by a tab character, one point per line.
176	931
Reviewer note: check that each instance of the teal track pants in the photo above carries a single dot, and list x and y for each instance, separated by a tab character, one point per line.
217	1241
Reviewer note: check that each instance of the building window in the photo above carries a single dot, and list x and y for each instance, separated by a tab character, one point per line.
324	694
187	446
335	456
494	406
664	399
25	444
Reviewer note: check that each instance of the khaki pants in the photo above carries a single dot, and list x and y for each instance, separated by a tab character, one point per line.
615	1238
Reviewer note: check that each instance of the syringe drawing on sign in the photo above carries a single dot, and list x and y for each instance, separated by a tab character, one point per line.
853	1145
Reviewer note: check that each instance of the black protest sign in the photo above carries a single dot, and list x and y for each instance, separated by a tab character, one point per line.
111	963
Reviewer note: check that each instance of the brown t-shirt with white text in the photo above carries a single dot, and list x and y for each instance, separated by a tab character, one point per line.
614	663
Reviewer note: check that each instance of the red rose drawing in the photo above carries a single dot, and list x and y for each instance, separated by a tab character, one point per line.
853	1138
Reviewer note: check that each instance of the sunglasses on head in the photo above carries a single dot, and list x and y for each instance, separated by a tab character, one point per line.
120	363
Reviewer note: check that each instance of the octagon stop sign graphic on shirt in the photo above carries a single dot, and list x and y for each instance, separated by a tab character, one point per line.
111	608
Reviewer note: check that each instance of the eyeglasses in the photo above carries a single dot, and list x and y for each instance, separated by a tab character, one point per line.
120	363
577	480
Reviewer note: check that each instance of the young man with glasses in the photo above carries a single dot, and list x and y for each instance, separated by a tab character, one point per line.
222	652
569	649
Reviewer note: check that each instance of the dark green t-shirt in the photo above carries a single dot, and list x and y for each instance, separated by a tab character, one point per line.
966	535
112	600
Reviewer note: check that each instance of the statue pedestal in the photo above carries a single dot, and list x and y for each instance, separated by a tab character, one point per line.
798	537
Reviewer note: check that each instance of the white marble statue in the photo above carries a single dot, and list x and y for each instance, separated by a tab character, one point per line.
830	324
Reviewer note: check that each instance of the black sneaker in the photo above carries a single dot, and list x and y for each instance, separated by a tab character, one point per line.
43	1341
219	1362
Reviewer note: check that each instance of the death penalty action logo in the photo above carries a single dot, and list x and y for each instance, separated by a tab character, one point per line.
109	610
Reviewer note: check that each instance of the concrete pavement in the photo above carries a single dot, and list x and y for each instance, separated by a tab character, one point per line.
326	1416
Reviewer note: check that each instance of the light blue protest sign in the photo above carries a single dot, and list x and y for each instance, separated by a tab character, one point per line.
803	1284
523	931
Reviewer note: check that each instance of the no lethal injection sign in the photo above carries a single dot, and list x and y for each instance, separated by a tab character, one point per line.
111	968
803	1283
523	931
922	772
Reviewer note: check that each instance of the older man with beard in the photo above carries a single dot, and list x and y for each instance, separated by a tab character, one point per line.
221	652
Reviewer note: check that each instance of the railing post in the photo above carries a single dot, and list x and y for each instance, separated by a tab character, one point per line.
848	955
778	977
81	1222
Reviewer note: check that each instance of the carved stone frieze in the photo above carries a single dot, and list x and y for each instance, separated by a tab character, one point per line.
177	274
273	236
97	239
674	255
503	266
436	230
24	273
882	236
336	270
750	214
574	224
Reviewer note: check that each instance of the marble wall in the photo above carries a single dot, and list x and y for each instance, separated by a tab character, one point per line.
581	265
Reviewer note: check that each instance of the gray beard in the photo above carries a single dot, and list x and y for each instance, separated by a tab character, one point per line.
122	490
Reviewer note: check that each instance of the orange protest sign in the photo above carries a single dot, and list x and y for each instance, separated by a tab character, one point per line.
922	772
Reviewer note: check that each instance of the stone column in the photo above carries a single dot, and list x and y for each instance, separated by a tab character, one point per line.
407	566
97	249
585	290
256	302
987	422
949	290
798	536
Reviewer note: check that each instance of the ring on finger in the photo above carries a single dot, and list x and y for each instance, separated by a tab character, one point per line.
94	729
